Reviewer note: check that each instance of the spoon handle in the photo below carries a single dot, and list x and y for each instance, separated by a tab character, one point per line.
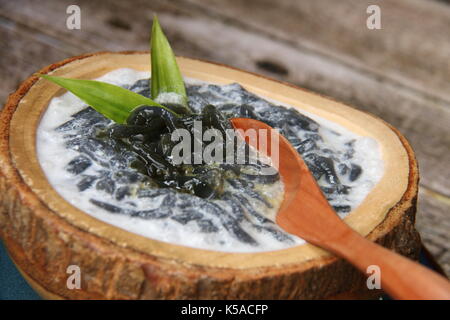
400	277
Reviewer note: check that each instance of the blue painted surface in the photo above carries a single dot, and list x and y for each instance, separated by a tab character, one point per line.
12	285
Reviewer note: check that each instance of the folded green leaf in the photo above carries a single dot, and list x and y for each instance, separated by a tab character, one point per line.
114	102
166	76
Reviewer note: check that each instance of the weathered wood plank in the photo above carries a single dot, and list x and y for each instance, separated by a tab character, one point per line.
405	50
433	224
419	51
22	55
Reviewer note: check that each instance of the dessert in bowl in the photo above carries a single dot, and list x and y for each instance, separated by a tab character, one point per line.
72	196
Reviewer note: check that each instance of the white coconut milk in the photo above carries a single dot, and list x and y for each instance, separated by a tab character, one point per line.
54	157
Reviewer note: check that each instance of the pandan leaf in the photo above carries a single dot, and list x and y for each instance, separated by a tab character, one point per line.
166	76
114	102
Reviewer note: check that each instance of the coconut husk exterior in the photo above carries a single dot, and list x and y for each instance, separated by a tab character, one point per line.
43	243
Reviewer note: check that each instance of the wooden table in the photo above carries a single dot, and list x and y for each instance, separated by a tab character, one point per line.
400	72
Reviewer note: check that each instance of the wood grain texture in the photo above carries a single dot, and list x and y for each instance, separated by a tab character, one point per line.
400	73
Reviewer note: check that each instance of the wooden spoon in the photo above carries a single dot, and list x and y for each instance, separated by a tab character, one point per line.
306	213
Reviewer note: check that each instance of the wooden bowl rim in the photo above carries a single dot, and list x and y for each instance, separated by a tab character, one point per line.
21	148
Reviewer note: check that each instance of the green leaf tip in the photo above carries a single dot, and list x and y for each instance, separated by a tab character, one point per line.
114	102
166	75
